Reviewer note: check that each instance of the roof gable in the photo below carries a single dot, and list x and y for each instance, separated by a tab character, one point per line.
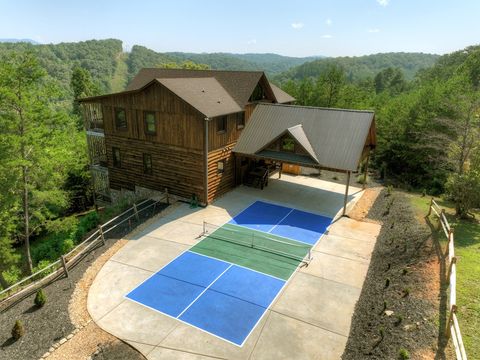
204	94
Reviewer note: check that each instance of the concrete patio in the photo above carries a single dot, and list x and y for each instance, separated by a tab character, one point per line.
309	320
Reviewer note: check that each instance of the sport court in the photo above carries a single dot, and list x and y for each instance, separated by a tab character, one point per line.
225	283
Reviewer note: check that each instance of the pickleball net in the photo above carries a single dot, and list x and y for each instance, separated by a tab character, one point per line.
260	241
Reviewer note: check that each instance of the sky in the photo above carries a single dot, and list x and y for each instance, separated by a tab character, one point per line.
294	28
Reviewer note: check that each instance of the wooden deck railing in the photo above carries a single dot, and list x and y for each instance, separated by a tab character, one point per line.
28	285
452	327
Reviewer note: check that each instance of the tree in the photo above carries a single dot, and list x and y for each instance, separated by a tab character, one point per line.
464	190
329	85
36	132
190	65
82	85
391	80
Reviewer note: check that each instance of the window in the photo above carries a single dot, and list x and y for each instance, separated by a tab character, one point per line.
258	94
288	144
147	164
149	121
117	161
220	166
120	119
240	120
222	124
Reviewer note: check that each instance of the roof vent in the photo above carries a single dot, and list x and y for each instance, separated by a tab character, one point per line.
218	102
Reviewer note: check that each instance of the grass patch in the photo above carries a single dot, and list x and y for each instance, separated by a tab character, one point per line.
467	250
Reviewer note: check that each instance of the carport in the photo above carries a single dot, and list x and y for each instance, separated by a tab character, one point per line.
322	138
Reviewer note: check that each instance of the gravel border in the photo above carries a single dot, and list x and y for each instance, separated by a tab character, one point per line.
51	325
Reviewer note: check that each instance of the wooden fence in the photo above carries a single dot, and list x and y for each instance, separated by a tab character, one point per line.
28	285
452	328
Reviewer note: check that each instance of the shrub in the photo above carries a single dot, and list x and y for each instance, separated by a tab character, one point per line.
360	179
404	354
42	265
40	298
18	330
389	190
67	245
464	190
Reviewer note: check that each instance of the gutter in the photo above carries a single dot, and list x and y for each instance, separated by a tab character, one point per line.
205	160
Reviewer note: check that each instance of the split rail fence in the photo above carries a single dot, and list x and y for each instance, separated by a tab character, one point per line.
452	327
119	225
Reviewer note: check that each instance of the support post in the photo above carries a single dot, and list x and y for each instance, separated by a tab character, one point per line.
167	196
135	210
449	322
345	201
430	207
364	186
64	264
280	171
102	237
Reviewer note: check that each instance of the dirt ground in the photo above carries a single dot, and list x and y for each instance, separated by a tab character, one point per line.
401	306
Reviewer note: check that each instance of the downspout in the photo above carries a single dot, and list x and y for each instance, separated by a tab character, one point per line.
205	160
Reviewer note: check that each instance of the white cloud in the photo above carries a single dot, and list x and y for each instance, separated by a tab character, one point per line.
327	36
328	22
383	2
252	41
373	30
297	25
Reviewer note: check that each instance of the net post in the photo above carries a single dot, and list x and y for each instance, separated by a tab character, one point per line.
204	228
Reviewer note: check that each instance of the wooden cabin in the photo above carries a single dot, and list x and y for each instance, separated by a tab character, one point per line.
173	129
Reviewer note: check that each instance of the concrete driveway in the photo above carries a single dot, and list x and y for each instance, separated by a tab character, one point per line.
309	320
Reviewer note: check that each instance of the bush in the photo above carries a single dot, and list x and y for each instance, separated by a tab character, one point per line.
18	330
464	190
360	179
40	298
67	245
42	265
404	354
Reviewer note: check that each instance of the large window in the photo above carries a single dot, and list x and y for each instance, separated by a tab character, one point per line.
150	124
240	120
147	164
117	160
222	124
120	119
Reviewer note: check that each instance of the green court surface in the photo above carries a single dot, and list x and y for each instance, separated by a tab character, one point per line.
267	253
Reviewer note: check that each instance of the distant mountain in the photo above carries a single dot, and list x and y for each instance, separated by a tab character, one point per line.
30	41
362	67
272	64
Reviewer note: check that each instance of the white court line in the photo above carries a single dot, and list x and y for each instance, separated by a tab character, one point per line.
269	231
218	277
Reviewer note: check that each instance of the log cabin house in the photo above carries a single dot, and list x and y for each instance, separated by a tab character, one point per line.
200	133
173	129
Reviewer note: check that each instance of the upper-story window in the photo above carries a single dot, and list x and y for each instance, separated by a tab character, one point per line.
147	164
222	124
240	120
120	119
150	123
117	161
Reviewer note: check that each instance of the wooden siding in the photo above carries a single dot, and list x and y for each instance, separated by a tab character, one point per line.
177	123
220	183
178	169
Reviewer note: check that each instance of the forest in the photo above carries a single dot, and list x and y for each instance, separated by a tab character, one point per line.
427	115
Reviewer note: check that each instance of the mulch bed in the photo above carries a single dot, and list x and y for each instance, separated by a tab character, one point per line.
47	325
397	282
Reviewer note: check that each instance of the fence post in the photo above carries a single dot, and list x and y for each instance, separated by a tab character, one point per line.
449	322
136	211
102	237
430	207
64	264
167	196
454	261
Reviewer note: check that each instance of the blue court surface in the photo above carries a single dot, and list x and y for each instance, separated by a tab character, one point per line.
220	297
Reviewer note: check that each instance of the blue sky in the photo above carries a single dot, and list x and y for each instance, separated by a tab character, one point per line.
295	28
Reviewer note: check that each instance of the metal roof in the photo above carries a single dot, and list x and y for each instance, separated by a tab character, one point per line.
337	137
204	94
